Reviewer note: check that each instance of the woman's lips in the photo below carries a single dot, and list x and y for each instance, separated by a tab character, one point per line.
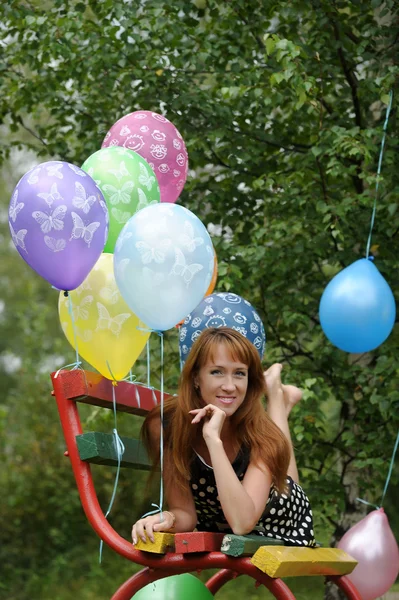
225	399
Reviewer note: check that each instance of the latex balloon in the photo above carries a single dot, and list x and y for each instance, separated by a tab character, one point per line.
357	308
59	222
157	140
176	587
214	276
372	543
211	285
108	335
222	310
163	264
127	182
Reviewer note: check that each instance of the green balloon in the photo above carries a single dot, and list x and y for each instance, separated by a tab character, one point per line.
177	587
127	182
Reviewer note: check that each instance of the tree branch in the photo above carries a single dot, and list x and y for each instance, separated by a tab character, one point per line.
258	40
29	130
349	75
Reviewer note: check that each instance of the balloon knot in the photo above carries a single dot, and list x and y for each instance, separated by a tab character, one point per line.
66	294
114	382
370	258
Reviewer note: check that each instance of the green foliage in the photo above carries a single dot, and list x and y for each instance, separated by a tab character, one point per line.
281	105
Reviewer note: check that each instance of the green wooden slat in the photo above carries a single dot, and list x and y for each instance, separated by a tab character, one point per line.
240	545
99	448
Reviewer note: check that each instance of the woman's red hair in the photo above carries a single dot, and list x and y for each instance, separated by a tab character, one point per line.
252	426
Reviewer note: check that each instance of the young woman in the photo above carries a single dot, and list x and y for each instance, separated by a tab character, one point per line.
229	465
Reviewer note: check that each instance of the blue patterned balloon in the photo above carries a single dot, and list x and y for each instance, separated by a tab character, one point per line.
222	310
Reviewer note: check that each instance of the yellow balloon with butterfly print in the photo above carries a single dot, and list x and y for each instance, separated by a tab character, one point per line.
96	319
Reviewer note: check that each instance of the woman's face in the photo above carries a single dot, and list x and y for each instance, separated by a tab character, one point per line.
223	381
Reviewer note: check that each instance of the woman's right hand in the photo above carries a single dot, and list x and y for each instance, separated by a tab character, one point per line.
145	527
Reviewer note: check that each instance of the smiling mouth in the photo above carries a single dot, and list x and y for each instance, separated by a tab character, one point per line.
225	399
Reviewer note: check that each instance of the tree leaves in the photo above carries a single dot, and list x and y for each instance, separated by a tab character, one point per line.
281	105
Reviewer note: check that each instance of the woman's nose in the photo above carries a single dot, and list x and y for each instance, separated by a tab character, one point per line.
228	383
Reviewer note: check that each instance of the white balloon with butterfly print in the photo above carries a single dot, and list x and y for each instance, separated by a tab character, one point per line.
163	263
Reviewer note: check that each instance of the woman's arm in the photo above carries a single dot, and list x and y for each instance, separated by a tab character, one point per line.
242	503
181	504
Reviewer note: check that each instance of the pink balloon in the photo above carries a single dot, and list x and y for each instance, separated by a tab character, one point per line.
372	543
158	141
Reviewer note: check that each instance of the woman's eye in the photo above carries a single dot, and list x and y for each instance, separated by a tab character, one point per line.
215	372
241	373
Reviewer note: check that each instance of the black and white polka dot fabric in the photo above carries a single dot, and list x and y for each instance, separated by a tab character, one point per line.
287	517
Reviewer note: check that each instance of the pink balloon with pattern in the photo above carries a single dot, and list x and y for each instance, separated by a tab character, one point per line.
158	141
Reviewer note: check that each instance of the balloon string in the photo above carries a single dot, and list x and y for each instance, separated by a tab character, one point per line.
387	479
180	355
78	362
148	363
368	503
75	337
390	468
161	438
379	171
120	449
161	452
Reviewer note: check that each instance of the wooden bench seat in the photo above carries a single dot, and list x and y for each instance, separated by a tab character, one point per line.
268	554
289	561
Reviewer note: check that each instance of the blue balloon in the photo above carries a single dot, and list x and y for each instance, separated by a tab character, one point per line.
163	264
357	308
222	310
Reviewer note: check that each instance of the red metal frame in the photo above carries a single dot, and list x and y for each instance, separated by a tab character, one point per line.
70	386
276	586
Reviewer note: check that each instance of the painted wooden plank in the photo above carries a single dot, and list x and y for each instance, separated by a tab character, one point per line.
92	388
99	448
163	543
246	545
288	561
198	541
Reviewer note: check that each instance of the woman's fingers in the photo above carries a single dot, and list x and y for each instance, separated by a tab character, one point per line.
149	527
163	525
134	534
140	529
144	528
207	411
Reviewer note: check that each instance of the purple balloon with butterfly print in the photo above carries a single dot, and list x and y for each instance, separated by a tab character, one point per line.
59	222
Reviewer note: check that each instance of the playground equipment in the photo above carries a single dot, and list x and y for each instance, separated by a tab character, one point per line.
173	554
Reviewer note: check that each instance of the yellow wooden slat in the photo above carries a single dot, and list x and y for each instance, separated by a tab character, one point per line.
286	561
163	543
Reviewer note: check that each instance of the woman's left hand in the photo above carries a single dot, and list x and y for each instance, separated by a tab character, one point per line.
213	419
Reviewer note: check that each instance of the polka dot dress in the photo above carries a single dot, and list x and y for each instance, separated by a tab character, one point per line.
287	517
